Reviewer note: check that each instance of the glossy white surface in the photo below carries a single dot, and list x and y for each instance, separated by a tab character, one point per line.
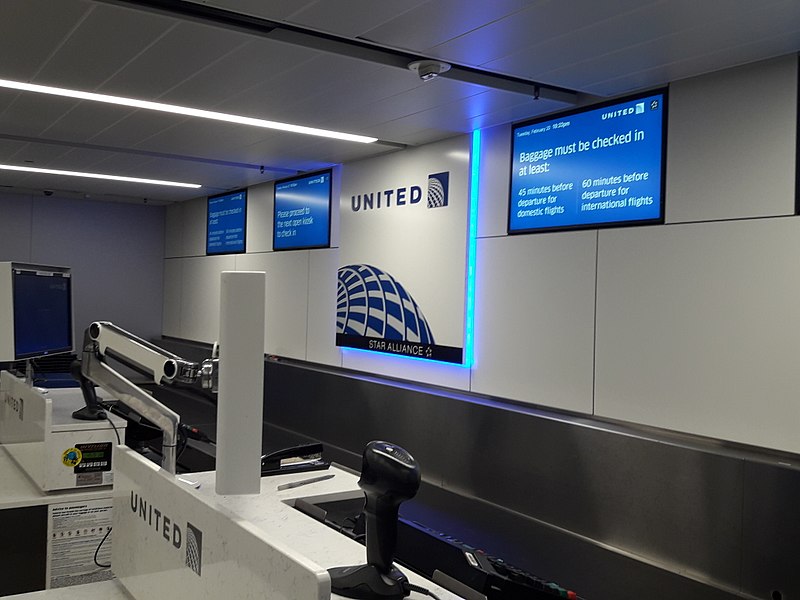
37	429
252	546
18	490
240	400
105	590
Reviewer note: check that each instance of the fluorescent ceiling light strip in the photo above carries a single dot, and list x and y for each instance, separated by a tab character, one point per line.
99	176
184	110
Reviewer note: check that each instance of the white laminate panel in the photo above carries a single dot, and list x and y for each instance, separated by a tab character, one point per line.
732	142
18	490
173	237
698	329
321	338
170	541
104	590
173	287
260	207
195	215
534	325
287	299
495	181
200	296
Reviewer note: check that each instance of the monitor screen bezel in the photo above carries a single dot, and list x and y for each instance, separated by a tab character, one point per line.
42	272
664	92
309	175
244	222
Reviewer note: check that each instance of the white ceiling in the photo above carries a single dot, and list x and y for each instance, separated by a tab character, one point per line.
596	47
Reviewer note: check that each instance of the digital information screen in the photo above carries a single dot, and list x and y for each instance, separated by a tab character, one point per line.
42	313
227	223
302	212
590	167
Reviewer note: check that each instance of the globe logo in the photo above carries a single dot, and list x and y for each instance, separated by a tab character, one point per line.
372	303
438	189
194	548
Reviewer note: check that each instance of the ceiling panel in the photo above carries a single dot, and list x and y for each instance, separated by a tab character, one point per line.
186	52
31	114
237	74
433	23
102	43
30	39
81	121
679	50
605	48
349	18
519	34
274	10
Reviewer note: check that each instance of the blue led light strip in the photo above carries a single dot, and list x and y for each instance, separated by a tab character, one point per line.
472	242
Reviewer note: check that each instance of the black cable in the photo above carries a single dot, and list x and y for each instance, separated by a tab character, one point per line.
415	588
183	440
97	550
114	427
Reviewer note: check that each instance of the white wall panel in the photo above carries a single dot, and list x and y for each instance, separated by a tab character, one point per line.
534	324
321	345
698	329
173	289
195	214
15	227
174	225
286	299
732	143
200	296
260	206
495	181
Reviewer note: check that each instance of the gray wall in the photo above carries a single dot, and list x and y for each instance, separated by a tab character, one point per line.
614	511
115	251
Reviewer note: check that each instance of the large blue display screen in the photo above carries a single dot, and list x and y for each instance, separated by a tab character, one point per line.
588	168
302	212
42	313
227	223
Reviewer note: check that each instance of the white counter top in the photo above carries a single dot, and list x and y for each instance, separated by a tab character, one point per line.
105	590
18	490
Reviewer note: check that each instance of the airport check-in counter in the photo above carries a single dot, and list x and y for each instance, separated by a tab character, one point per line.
55	487
174	535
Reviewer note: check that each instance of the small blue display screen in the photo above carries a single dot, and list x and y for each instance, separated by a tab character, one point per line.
227	223
602	166
302	212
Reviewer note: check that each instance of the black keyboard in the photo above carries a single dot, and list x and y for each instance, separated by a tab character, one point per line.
427	551
441	557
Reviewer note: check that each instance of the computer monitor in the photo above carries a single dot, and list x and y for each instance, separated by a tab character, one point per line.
226	223
35	311
302	216
597	166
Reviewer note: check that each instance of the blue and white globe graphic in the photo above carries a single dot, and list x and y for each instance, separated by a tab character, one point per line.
436	196
372	303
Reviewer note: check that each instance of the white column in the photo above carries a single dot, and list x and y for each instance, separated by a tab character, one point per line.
240	401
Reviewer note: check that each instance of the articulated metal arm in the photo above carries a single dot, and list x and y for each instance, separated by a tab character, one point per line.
103	339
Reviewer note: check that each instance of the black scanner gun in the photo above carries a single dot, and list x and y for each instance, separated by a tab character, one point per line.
389	476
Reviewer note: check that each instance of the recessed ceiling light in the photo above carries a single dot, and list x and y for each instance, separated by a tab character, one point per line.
99	176
184	110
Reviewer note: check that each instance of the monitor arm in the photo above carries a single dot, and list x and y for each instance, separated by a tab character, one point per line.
103	340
